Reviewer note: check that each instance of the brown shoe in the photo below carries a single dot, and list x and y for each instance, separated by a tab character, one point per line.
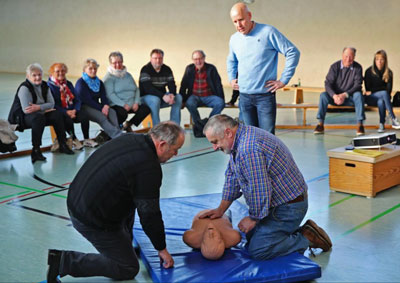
319	129
127	127
360	130
316	235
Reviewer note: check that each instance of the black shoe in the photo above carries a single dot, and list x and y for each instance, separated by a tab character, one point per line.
319	129
36	155
65	149
53	260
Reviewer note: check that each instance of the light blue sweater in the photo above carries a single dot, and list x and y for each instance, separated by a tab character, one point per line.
121	91
255	57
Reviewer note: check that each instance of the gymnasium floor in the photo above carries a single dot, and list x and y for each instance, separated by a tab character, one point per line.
33	215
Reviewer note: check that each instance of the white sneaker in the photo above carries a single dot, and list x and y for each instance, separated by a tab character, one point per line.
395	124
77	144
381	128
90	143
55	145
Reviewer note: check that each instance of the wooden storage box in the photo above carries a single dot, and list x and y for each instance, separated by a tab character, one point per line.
364	175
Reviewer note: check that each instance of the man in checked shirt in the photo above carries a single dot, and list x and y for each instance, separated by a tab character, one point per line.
262	168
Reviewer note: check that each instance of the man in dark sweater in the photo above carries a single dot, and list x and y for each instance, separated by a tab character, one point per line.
201	86
121	177
154	78
343	87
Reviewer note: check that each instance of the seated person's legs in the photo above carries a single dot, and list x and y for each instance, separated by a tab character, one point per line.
324	100
154	103
191	104
98	117
176	109
215	102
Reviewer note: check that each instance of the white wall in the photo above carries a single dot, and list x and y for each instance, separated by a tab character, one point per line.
47	31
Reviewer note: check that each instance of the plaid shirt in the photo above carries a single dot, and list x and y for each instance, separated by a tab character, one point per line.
200	85
261	168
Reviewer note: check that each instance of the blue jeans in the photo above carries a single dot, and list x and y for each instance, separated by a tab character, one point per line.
356	100
155	103
278	233
382	100
259	110
215	102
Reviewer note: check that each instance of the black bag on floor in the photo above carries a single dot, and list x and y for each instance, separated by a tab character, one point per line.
7	137
198	128
396	99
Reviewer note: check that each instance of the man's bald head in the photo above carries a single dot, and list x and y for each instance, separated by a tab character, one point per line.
241	18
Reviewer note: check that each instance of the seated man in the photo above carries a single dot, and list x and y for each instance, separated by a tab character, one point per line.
153	80
343	87
201	86
211	236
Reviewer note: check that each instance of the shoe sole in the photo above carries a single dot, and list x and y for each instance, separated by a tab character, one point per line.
318	133
320	232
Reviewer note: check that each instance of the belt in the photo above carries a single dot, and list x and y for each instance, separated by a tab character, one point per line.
300	198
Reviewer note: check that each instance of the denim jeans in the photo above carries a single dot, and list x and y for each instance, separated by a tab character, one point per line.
278	233
215	102
155	103
117	258
382	100
356	100
259	110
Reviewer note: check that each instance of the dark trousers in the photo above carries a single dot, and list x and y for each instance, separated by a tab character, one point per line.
117	258
37	121
80	117
140	114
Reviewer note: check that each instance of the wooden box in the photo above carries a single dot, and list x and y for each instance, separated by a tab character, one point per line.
364	175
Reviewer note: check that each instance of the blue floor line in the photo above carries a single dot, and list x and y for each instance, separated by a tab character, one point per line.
317	178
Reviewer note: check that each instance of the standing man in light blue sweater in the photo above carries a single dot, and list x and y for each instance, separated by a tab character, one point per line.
253	55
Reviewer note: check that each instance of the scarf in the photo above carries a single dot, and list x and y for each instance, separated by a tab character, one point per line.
93	84
65	93
117	73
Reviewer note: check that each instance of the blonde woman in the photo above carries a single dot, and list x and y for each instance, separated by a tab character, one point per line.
378	85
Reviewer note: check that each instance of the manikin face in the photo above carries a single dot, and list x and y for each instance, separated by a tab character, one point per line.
213	245
241	20
166	151
156	61
59	73
35	77
348	57
223	142
91	70
379	62
117	63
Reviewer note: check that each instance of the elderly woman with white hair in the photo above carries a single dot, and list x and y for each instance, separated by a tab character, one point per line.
123	93
95	104
33	107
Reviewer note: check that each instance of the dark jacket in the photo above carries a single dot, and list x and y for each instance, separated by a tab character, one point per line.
156	83
343	80
374	83
213	81
96	100
122	176
16	115
55	91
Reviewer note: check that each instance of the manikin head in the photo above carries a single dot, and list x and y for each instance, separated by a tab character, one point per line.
212	245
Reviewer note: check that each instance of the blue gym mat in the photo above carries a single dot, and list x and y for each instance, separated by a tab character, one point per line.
234	266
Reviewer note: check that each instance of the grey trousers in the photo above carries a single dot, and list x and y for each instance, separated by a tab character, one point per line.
108	124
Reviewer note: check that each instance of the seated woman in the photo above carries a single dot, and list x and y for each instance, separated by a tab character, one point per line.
67	103
90	90
34	98
378	85
211	236
123	94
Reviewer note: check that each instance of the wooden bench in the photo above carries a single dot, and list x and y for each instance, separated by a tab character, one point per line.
305	107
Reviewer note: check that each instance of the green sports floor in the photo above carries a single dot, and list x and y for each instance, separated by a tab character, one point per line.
33	215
